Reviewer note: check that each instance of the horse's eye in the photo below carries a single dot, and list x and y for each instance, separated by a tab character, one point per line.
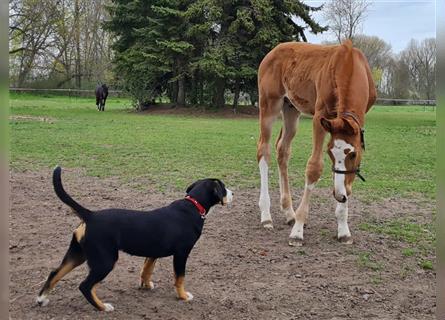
353	155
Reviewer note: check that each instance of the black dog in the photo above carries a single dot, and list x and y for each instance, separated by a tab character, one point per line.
101	96
171	230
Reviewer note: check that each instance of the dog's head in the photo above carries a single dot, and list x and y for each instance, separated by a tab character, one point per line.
212	191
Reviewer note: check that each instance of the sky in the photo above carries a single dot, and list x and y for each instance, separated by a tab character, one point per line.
395	21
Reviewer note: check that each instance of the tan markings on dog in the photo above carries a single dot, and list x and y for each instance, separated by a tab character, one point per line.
179	285
147	271
225	200
80	232
97	301
64	269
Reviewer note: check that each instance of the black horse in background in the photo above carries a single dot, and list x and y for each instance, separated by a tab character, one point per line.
101	96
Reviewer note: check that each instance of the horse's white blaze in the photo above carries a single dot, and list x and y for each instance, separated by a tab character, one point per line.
338	151
341	212
264	202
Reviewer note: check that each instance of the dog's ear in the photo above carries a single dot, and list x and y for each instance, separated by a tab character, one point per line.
190	187
219	190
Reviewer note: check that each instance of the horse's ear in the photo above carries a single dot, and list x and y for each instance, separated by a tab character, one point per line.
326	124
350	127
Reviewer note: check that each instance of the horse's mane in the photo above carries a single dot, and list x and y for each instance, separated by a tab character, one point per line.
341	69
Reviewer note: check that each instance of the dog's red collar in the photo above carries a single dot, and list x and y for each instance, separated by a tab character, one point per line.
201	209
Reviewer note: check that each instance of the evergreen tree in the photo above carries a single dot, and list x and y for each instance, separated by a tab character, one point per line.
195	50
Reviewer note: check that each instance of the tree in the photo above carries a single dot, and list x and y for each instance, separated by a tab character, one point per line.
345	17
420	59
395	83
379	56
31	26
376	50
193	51
53	42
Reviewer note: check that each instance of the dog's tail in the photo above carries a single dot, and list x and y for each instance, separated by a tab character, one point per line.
81	212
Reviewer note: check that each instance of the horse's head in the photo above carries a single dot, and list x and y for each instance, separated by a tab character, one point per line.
105	88
345	149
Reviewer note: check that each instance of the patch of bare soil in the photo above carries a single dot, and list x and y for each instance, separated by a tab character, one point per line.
237	270
31	118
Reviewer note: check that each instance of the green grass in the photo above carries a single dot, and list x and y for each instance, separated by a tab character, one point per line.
365	260
171	151
402	230
427	265
408	252
421	237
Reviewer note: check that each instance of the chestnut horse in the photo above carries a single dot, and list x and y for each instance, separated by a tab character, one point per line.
333	84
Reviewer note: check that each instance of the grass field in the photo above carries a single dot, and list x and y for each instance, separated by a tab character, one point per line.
170	151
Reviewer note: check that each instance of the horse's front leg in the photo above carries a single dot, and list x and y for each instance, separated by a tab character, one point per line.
314	169
341	213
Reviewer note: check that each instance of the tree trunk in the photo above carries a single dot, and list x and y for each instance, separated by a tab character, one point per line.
180	100
77	43
236	95
253	97
218	98
174	92
201	91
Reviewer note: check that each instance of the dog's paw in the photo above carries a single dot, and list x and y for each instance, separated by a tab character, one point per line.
42	300
189	296
108	307
150	285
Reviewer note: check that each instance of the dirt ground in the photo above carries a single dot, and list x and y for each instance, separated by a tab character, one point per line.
237	270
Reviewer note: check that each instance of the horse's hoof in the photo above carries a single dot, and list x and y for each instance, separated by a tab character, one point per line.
295	242
267	224
345	240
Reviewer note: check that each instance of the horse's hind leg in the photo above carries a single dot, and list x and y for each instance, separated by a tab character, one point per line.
269	109
283	146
